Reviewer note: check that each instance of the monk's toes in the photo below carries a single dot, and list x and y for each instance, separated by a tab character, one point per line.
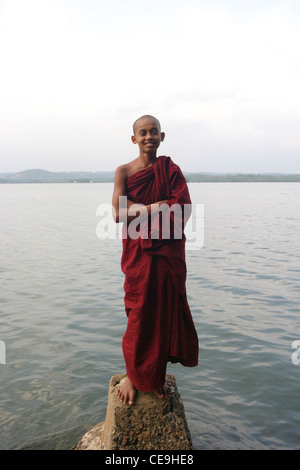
131	397
163	392
120	396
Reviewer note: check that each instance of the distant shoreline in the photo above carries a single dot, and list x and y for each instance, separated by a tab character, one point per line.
44	176
242	178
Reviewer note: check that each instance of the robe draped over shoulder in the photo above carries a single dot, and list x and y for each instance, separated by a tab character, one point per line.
160	327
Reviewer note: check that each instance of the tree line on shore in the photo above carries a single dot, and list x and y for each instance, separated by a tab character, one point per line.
44	176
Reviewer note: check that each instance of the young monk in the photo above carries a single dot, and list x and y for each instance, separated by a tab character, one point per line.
160	327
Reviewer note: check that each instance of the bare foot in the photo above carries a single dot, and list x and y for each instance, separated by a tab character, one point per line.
163	392
126	392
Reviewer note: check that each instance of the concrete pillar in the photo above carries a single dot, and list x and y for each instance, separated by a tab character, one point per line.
150	424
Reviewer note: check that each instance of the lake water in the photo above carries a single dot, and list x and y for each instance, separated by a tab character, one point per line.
62	316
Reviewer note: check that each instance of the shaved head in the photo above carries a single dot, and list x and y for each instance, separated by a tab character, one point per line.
146	116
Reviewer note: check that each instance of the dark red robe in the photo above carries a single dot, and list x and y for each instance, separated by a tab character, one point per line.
160	327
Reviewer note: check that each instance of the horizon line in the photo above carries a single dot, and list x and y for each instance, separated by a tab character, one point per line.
184	171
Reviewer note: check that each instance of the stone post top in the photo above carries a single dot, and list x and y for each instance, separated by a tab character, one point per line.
142	397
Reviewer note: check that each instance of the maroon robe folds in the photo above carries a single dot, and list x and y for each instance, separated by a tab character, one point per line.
160	327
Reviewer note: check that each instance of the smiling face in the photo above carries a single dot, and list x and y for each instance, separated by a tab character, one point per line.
147	134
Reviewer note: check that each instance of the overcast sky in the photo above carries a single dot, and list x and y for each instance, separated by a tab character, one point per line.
222	76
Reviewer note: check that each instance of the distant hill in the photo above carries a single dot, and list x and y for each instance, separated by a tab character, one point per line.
44	176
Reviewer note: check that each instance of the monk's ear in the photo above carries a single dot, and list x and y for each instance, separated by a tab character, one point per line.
133	139
162	136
